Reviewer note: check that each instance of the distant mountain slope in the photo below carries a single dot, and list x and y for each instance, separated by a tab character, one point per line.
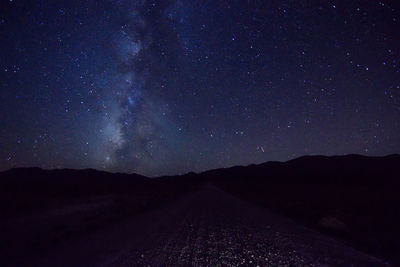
317	169
67	181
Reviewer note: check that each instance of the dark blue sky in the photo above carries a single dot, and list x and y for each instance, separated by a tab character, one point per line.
167	87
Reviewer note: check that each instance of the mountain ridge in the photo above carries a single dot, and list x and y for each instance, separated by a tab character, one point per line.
298	159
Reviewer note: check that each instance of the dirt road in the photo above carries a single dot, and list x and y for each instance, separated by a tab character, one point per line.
207	228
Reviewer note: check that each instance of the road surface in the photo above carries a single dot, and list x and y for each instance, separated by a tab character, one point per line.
207	228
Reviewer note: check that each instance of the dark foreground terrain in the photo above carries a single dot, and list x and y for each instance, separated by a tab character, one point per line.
312	211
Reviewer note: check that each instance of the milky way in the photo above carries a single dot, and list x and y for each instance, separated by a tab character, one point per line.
166	87
132	121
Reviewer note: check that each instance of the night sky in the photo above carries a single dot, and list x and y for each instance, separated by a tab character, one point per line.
168	87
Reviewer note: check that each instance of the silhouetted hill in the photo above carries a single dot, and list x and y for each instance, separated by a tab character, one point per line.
68	181
351	197
316	169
